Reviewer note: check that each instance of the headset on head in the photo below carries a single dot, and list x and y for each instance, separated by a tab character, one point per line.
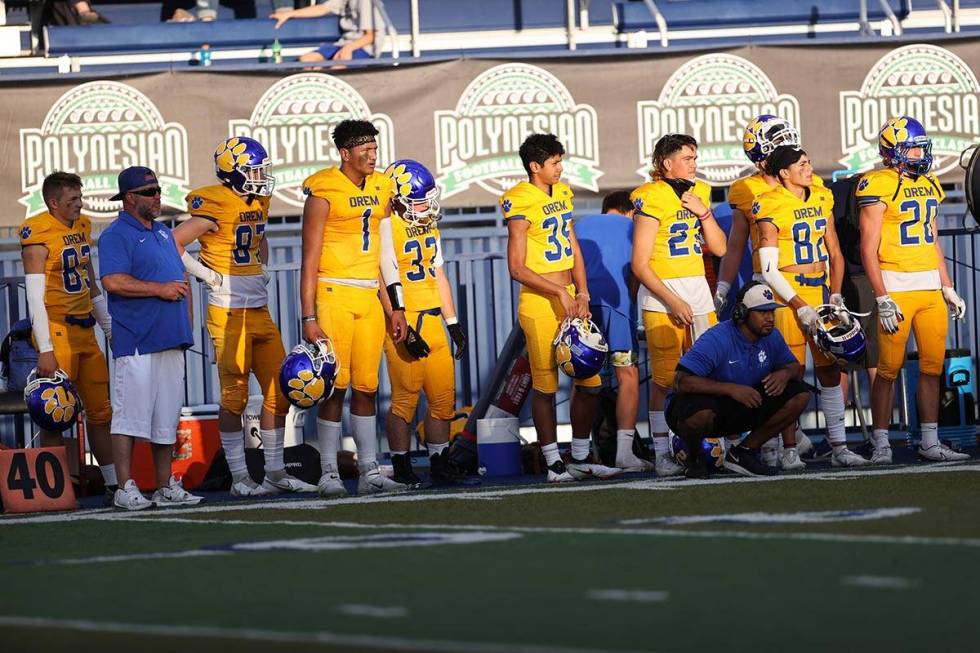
739	310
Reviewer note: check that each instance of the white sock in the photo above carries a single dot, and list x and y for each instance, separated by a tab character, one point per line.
581	448
624	441
366	438
550	452
930	434
771	444
328	435
832	405
434	449
272	441
233	443
658	425
109	474
398	453
879	439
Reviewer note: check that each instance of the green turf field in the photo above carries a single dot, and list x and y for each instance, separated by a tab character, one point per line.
883	560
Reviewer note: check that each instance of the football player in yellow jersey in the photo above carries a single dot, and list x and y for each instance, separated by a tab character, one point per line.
424	363
64	304
763	135
347	242
543	255
229	220
797	252
672	220
907	269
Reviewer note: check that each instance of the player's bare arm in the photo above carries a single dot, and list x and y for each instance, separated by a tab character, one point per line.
578	277
519	272
714	237
315	212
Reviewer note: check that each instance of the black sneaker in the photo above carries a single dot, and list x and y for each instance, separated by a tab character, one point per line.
110	493
696	470
742	460
558	474
404	473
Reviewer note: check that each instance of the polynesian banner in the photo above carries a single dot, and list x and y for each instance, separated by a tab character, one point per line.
466	118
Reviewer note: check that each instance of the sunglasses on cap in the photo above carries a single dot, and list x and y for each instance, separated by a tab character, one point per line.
146	192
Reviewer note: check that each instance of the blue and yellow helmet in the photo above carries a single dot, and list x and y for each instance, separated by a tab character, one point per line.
243	164
307	374
764	134
580	348
52	401
416	197
897	137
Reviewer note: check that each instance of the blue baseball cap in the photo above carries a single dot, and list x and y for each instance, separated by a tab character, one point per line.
134	177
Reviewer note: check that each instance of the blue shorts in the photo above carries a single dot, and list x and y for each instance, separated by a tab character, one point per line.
619	329
328	51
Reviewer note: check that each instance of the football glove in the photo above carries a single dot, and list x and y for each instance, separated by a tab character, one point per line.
843	314
721	293
416	346
889	314
809	318
459	339
956	304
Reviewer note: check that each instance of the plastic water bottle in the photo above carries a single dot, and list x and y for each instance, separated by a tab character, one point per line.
205	55
276	52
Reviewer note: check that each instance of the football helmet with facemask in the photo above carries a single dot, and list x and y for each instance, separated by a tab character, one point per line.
307	374
897	138
712	451
51	401
580	348
416	197
765	134
838	334
242	164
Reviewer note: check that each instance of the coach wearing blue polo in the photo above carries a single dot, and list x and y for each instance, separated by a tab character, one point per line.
738	376
148	298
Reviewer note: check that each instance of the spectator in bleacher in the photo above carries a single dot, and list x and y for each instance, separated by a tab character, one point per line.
70	12
148	301
738	376
360	23
179	11
607	247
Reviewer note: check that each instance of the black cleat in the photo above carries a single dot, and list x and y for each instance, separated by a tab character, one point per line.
110	493
744	461
404	473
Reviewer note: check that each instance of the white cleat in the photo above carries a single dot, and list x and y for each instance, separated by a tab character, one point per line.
372	481
789	460
557	473
582	471
286	483
330	486
769	456
630	462
129	497
941	453
174	495
246	487
666	467
881	456
847	458
804	444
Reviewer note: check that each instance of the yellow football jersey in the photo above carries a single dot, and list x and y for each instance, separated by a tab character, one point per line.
66	286
911	208
742	195
677	248
802	223
418	252
549	217
351	239
234	247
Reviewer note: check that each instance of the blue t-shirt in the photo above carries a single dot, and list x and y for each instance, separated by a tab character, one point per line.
606	241
143	324
723	354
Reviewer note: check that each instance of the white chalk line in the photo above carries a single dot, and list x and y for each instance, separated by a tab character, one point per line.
628	596
640	484
880	582
287	636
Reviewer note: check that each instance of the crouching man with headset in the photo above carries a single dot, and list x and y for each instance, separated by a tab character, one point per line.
738	376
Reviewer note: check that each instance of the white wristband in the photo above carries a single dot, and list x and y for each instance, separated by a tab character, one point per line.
38	312
722	288
452	320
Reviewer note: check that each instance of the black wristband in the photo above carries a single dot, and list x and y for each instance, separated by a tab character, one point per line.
396	297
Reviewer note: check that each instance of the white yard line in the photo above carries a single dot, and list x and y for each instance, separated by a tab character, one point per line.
643	484
379	611
628	596
287	636
880	582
